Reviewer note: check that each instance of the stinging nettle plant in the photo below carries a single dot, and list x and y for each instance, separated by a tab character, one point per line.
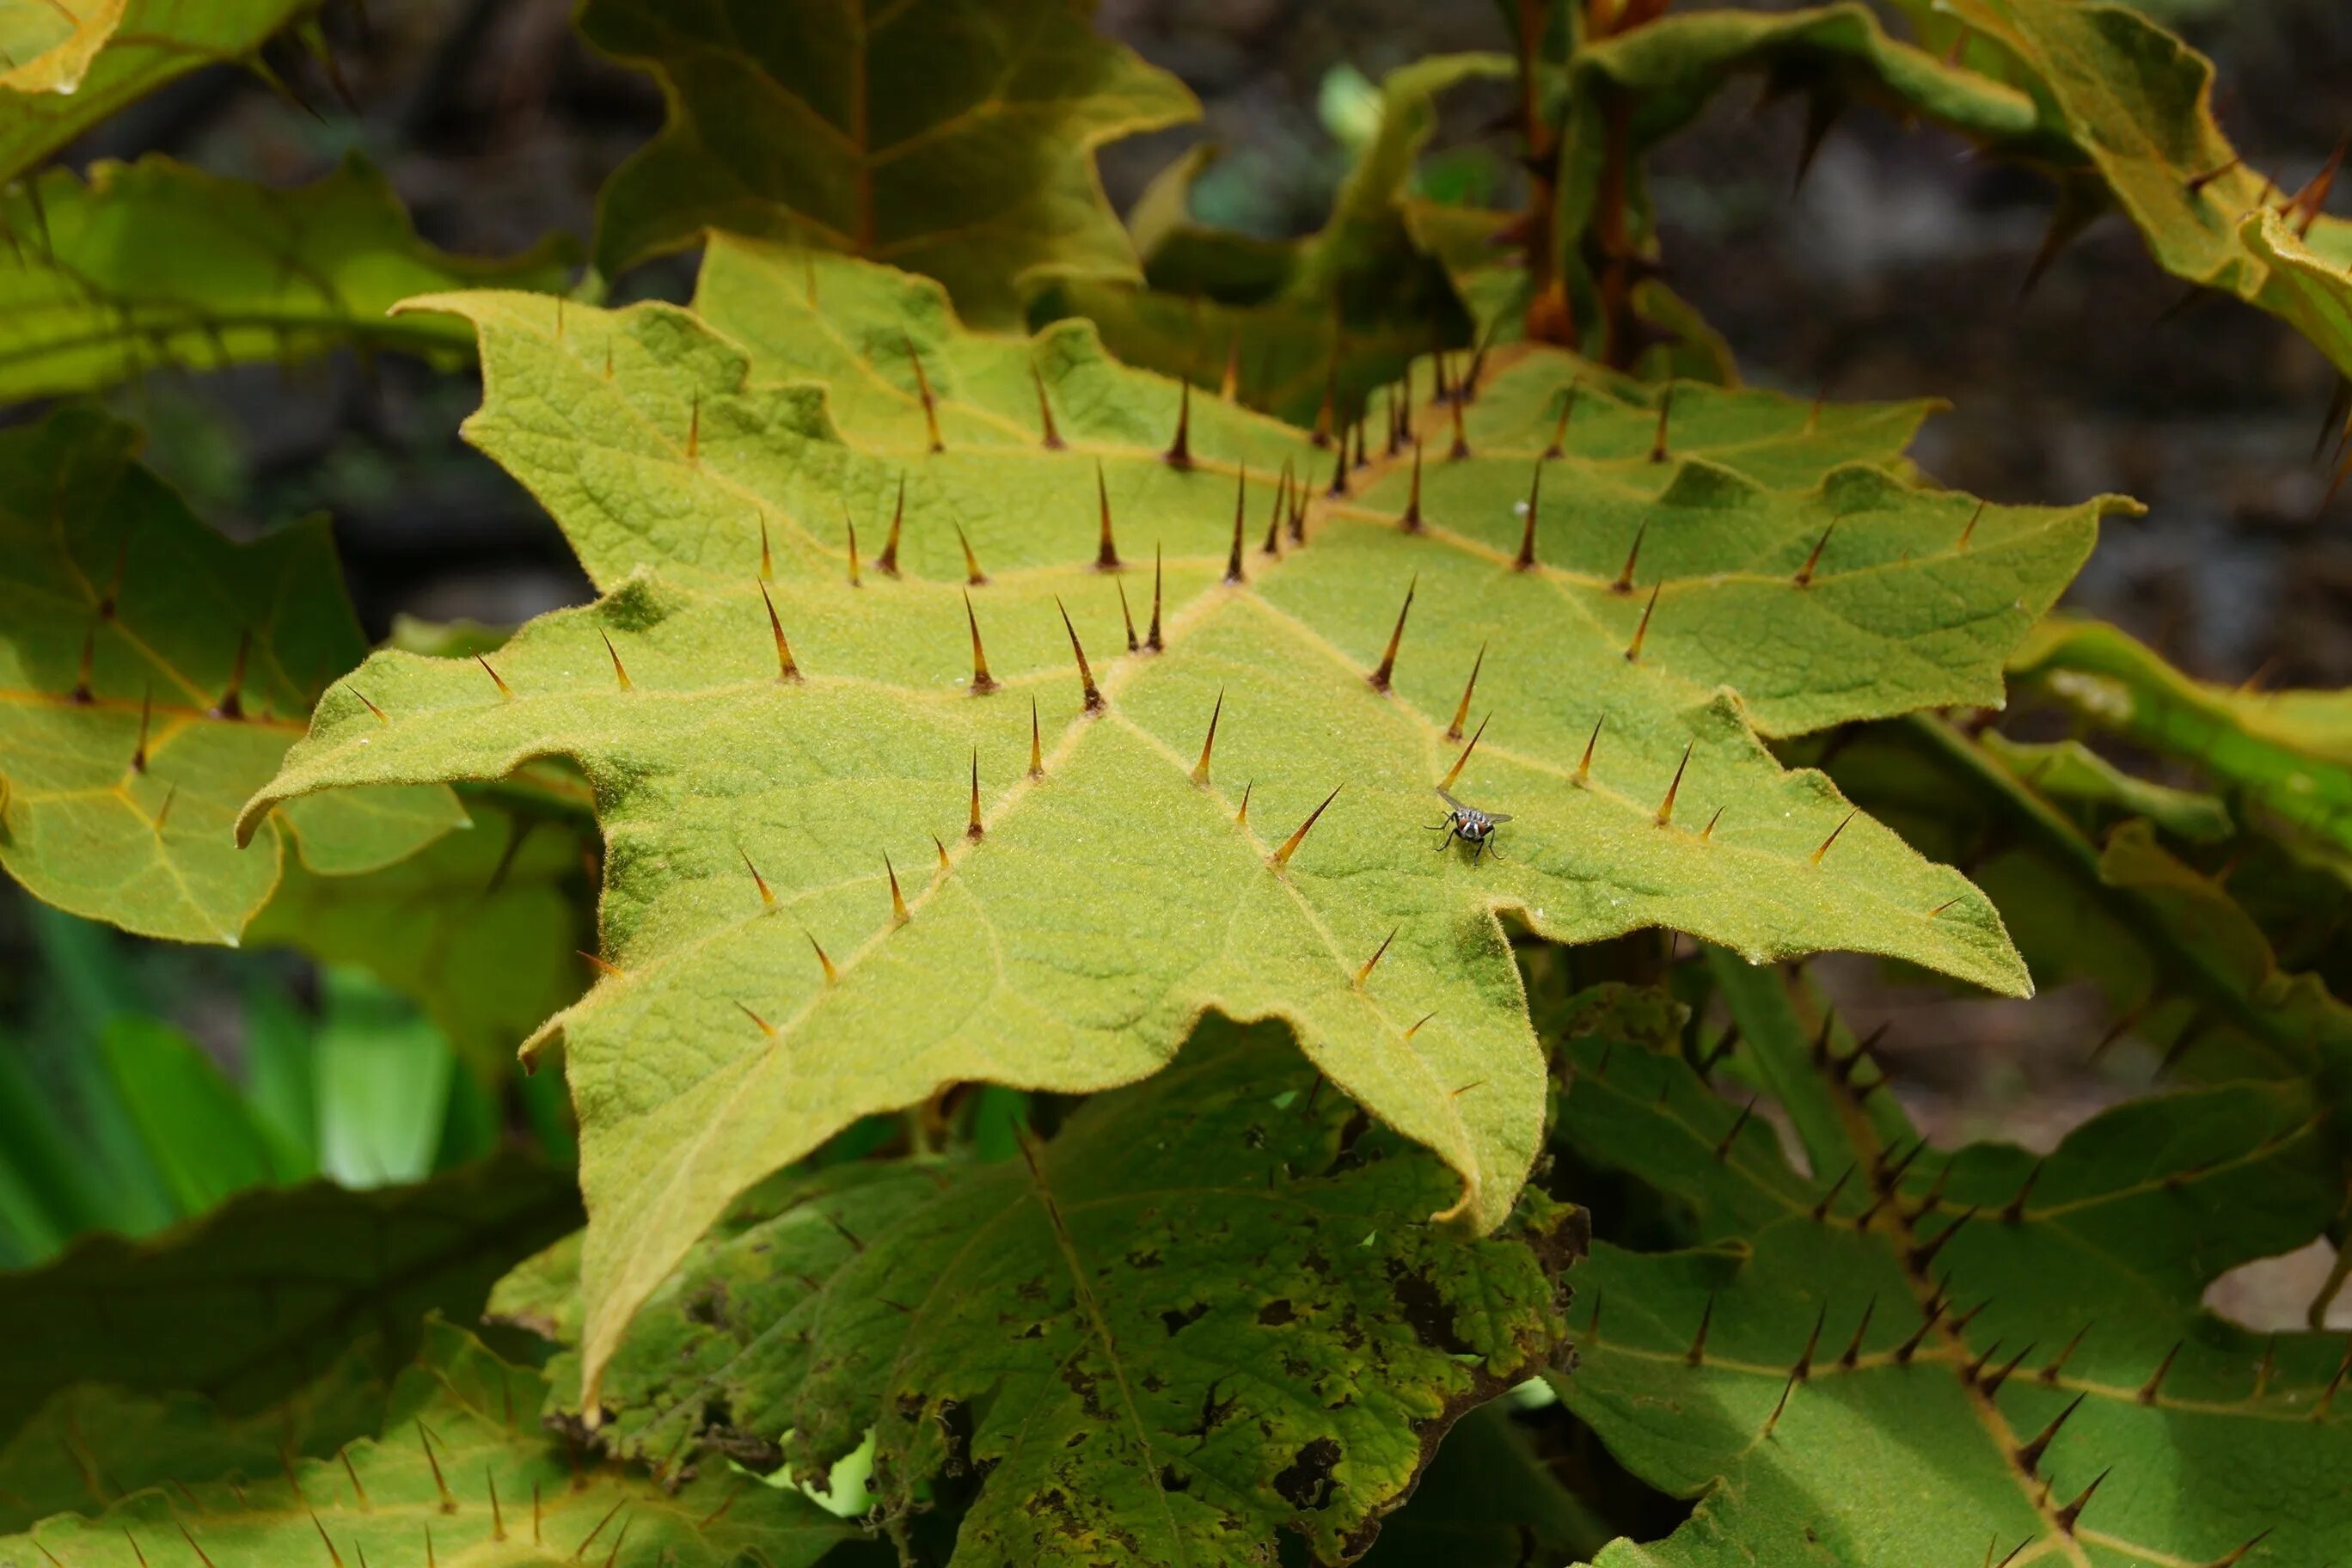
1040	1095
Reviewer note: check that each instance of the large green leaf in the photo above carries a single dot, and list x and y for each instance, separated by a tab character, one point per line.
482	930
151	675
1909	1359
1110	900
460	1477
2290	752
1206	1314
950	137
155	263
203	1141
270	1289
72	63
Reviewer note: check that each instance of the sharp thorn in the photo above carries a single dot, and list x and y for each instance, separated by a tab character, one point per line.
1461	709
983	683
1037	745
787	672
2030	1456
1969	531
1624	583
2067	1516
899	915
1852	1353
619	673
365	703
2147	1390
972	829
1641	632
1455	771
830	974
1372	962
767	894
1380	676
1106	551
1805	573
1281	857
1666	807
1052	439
1697	1354
1410	520
1804	1367
1179	450
888	560
1240	503
1093	696
1658	452
1127	619
1525	559
923	387
1833	838
1151	639
1200	768
1723	1147
1584	764
1560	431
973	575
506	692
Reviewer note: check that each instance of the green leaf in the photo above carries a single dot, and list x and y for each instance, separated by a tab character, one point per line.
218	1306
383	1079
2029	1285
950	137
91	1445
118	610
1487	1501
157	264
2289	752
1110	903
1205	1315
199	1132
2179	962
2089	785
482	929
114	53
459	1477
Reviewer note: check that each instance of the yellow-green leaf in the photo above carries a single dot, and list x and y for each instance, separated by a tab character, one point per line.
151	675
157	264
1109	899
950	137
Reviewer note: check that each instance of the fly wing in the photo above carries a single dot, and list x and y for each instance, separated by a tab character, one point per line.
1498	816
1450	800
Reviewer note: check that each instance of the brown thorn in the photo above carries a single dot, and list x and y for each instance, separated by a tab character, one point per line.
365	703
2013	1211
983	683
1363	459
899	915
1946	904
332	1555
1151	639
1229	389
1833	835
146	716
1852	1353
1106	551
2121	1026
2147	1394
1584	764
1991	1384
767	894
767	557
694	429
830	974
1410	520
2234	1558
1634	649
973	575
850	524
82	693
1461	447
1723	1149
1697	1354
1461	709
1326	414
613	1556
923	386
764	1026
1337	488
1126	618
1424	1018
1624	583
1281	857
1094	698
535	1539
1778	1405
2048	1375
232	702
1241	817
1667	806
786	670
1560	431
2074	1511
1179	450
1455	771
1658	453
505	691
191	1539
1707	833
1910	1347
1805	573
1299	511
1053	441
1804	1367
2327	1394
449	1503
1200	768
619	674
1273	545
1371	963
1969	531
1886	1175
601	1524
888	560
1379	677
1036	747
1525	559
973	829
2030	1456
1240	503
943	852
2198	182
164	814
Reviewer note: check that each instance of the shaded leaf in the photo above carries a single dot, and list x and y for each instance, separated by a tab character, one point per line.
116	52
950	137
1205	1315
1108	905
482	929
1487	1501
118	608
2029	1285
465	1469
2289	752
267	1290
155	263
2089	786
203	1141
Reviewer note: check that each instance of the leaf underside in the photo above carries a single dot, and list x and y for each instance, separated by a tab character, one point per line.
1189	1324
1870	1386
151	675
1109	902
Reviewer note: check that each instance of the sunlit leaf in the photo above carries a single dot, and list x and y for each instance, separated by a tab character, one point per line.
151	675
1110	901
157	264
950	137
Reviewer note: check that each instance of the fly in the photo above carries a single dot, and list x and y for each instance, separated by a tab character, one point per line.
1468	824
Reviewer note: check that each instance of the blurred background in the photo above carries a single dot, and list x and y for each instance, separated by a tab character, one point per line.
1892	271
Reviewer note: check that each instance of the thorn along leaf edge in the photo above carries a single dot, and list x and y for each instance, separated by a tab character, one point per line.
741	691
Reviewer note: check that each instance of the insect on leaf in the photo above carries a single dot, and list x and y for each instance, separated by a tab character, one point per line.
751	774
